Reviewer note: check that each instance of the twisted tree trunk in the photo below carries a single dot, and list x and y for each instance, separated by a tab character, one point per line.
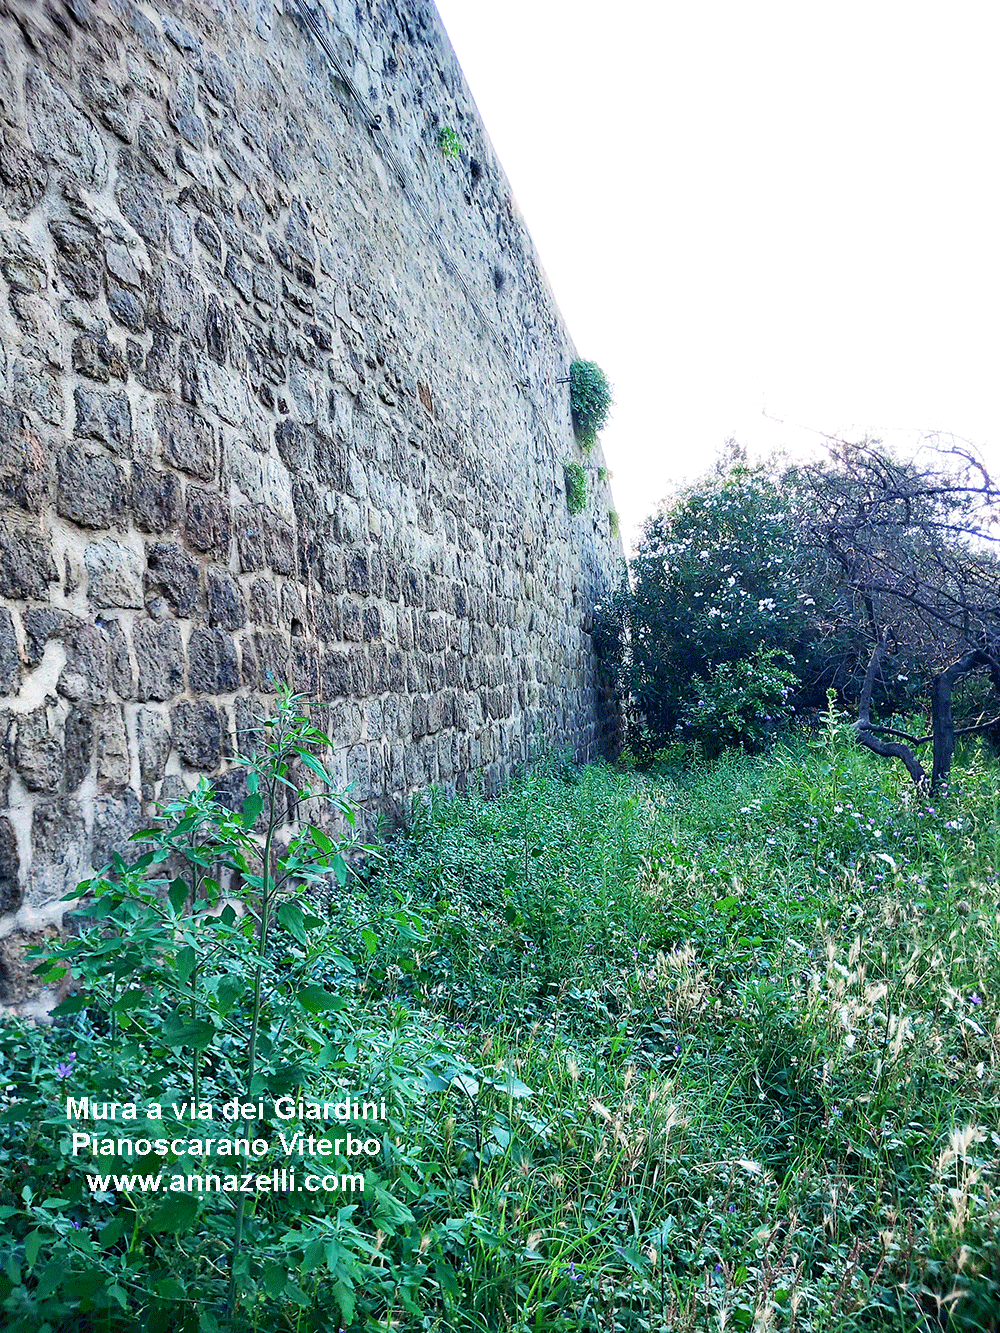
943	733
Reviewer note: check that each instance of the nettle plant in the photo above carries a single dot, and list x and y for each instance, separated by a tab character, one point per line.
590	400
221	977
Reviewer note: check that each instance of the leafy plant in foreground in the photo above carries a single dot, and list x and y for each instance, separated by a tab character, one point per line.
209	984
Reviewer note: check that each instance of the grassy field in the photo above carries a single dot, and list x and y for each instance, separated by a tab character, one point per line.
711	1050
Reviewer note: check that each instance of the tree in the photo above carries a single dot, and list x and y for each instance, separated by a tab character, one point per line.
721	577
916	543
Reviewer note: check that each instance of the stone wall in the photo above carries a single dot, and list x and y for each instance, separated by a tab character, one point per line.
278	400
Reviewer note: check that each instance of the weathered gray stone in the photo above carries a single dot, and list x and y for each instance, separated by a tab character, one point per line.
226	607
180	301
213	663
26	563
111	746
98	358
78	257
84	678
27	468
92	488
172	573
208	526
61	133
188	440
10	658
153	743
160	655
105	417
79	746
21	262
127	308
197	734
157	498
11	892
140	198
25	178
122	266
272	661
116	818
157	147
160	367
114	574
42	623
59	849
38	751
6	753
122	679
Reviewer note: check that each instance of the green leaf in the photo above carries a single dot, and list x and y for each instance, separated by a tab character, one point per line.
32	1244
177	893
312	762
71	1005
290	916
177	1214
198	1034
228	992
511	1085
186	960
447	1280
316	999
324	843
252	807
112	1232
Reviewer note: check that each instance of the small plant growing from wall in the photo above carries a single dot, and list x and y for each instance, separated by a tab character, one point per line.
590	400
614	523
576	487
449	142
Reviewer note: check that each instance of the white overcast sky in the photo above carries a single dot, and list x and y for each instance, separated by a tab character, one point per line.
757	211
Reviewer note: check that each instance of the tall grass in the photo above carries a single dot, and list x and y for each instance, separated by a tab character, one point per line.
715	1050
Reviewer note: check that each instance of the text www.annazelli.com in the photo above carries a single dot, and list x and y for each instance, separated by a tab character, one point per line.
275	1182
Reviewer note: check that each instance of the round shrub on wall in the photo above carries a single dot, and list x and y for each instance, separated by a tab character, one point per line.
590	400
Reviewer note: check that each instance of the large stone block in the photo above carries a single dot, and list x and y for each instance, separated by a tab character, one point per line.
105	417
84	677
226	607
116	818
61	133
79	746
157	499
92	489
111	747
114	574
213	663
11	892
10	657
160	656
197	734
38	751
59	849
171	572
208	526
188	440
26	563
153	744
